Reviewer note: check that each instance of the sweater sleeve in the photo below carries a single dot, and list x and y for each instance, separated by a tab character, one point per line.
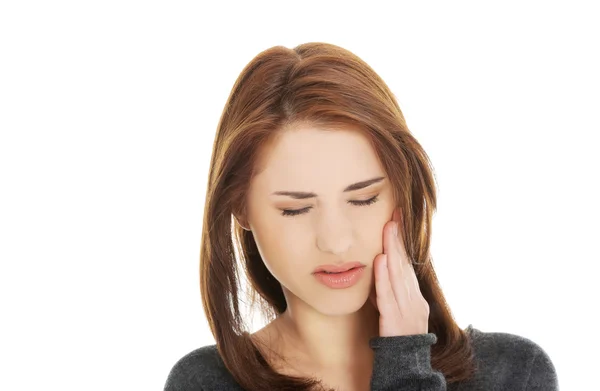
403	363
542	376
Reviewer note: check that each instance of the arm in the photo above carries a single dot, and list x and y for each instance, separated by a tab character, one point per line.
188	372
542	376
180	381
403	363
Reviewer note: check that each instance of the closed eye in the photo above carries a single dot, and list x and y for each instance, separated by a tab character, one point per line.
296	212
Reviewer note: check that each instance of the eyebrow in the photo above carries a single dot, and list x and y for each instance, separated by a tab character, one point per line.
300	195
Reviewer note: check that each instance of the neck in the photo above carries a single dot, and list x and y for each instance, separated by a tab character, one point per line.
331	343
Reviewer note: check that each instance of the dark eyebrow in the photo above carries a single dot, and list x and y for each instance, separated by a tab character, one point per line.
300	195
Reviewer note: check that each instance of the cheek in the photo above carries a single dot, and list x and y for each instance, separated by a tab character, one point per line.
370	231
371	241
282	250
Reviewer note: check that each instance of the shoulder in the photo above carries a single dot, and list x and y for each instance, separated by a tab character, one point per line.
200	369
513	360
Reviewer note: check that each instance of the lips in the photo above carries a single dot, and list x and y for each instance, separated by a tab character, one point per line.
341	280
337	268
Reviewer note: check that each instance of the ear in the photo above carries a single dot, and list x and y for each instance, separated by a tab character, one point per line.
242	222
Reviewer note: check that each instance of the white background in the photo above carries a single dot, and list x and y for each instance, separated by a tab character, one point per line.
108	111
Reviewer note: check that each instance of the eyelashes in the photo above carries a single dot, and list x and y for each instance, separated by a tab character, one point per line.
296	212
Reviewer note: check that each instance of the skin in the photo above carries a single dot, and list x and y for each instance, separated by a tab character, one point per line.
325	332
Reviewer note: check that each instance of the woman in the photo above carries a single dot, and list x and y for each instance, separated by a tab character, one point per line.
331	200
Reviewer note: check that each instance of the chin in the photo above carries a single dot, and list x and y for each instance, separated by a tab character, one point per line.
340	303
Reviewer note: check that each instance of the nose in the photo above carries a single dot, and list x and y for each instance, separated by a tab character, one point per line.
335	235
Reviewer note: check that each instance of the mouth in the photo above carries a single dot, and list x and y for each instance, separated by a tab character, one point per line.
337	269
326	272
340	280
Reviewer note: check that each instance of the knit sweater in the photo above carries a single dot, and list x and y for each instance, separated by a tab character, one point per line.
403	363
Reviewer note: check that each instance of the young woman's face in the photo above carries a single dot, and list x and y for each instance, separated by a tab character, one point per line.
295	236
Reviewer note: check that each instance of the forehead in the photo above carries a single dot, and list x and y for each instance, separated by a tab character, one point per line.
308	157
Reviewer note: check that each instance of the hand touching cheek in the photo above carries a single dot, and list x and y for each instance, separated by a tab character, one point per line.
402	308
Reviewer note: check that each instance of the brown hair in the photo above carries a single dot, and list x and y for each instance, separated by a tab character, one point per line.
329	87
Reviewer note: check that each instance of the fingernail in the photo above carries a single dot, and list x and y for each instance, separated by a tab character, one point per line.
396	228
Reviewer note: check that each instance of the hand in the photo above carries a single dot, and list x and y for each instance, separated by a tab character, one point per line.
402	308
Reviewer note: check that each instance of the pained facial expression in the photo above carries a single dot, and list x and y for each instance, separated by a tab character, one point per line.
294	236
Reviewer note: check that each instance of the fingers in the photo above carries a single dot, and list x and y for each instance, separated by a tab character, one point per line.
386	300
402	308
393	247
397	218
404	256
404	282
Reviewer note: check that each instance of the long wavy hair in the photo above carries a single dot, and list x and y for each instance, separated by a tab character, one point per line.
328	87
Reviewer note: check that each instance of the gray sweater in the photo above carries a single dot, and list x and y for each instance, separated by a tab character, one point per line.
504	362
